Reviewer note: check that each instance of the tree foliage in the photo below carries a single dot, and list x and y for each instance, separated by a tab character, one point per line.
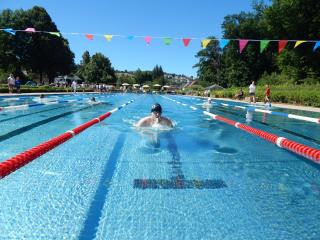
283	19
39	53
96	69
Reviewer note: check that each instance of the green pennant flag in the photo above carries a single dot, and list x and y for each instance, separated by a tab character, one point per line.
167	41
55	33
263	45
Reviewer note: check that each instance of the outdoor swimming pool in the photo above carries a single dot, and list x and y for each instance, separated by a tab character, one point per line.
203	180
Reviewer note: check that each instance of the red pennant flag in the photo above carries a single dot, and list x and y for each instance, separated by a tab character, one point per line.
282	45
89	36
186	41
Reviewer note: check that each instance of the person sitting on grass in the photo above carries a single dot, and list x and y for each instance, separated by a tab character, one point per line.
240	95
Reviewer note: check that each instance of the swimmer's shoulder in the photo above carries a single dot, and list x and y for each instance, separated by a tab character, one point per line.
144	122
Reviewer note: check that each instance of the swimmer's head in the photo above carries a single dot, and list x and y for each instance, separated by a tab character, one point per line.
156	108
41	95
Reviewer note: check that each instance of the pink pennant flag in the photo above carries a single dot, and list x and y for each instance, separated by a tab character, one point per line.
282	45
148	39
186	41
242	44
30	30
89	36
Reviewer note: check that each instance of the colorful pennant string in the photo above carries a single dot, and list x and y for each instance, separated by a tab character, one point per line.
186	41
242	44
263	45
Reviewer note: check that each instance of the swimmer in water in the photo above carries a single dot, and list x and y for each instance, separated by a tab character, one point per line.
155	119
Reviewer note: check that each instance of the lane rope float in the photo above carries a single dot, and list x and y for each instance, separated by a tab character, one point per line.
297	148
14	163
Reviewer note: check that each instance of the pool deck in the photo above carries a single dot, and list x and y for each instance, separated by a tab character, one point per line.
279	105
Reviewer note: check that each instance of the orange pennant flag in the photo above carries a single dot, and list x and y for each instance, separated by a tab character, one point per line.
89	36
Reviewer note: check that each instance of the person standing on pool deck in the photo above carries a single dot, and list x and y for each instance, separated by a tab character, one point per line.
11	83
155	118
17	84
267	94
252	92
74	86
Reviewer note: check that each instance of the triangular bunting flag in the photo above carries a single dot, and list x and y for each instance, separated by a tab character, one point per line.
186	41
205	42
30	30
223	43
316	45
108	37
263	45
167	41
130	37
242	44
89	36
282	45
55	33
298	43
10	31
148	39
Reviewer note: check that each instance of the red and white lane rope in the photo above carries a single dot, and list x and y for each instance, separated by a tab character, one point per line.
300	149
12	164
281	114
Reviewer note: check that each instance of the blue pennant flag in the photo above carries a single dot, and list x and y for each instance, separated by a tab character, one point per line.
10	31
223	43
316	46
130	37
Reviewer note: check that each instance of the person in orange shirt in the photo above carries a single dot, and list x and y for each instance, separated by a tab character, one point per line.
267	94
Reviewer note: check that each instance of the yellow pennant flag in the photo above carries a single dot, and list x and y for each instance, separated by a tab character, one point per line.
298	43
205	42
108	37
55	33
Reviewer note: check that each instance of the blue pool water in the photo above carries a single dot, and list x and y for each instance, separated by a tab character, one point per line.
202	180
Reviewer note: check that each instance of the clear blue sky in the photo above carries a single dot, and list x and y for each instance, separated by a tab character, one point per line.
172	18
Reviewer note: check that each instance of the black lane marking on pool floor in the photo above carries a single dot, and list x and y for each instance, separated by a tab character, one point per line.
39	123
274	126
91	223
28	114
178	180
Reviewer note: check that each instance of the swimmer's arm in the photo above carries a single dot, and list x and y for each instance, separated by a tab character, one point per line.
144	122
168	122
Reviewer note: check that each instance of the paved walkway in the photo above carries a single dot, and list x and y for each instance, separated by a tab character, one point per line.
279	105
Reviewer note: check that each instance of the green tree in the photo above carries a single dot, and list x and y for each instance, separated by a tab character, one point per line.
40	53
99	69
